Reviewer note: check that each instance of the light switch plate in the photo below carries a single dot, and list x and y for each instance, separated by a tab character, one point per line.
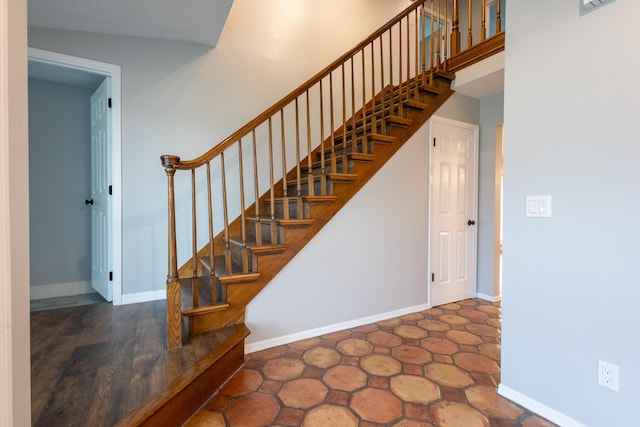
538	207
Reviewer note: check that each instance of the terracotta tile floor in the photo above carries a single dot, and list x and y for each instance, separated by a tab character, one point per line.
439	367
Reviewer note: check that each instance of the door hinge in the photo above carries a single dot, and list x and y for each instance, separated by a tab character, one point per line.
111	276
434	141
109	102
110	190
433	277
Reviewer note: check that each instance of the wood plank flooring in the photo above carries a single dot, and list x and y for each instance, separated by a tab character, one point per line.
91	365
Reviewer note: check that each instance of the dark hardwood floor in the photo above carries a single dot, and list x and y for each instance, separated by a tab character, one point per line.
91	365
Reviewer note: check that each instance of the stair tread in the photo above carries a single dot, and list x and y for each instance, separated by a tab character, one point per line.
400	121
412	103
255	247
223	276
282	222
340	154
205	309
307	199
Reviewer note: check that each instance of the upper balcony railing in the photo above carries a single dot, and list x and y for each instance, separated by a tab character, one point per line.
270	157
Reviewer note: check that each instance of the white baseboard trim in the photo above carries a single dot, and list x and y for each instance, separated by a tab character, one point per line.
144	297
494	298
537	407
56	290
252	347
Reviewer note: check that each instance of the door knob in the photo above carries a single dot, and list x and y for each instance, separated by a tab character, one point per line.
471	222
88	202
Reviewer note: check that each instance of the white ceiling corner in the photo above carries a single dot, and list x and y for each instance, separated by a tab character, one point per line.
198	21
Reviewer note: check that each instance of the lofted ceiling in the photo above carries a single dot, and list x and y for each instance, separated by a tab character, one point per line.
199	21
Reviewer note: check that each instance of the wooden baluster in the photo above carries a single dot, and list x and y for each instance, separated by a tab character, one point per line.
447	55
256	186
408	77
225	210
272	195
195	291
365	148
483	23
311	189
354	142
470	20
423	31
243	222
174	303
344	120
374	119
455	29
212	259
418	39
332	136
323	176
439	38
383	123
400	94
391	111
432	37
498	18
285	190
298	166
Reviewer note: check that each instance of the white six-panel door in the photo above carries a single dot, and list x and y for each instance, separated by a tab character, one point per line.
100	182
453	210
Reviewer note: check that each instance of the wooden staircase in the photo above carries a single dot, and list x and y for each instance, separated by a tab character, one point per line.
270	243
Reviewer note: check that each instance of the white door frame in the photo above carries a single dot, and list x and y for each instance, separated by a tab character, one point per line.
476	129
114	72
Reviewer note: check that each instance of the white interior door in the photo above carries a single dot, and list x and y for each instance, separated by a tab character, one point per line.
453	210
100	184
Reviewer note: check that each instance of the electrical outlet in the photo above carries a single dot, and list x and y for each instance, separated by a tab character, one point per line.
608	375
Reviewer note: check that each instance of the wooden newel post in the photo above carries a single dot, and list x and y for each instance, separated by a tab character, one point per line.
455	30
174	303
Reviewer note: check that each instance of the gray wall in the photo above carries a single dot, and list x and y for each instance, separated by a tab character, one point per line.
59	182
571	282
491	115
461	107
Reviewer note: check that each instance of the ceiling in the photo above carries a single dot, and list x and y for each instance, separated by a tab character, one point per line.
199	21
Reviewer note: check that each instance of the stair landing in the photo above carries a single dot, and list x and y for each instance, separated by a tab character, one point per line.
95	364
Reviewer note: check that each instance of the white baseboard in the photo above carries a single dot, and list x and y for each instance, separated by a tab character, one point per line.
56	290
492	298
537	407
144	297
252	347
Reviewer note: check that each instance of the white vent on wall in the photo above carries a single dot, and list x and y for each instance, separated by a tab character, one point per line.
590	4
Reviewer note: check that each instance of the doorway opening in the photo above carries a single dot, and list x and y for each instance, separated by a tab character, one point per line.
66	183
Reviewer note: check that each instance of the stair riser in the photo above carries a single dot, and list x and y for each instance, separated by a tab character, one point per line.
266	230
295	211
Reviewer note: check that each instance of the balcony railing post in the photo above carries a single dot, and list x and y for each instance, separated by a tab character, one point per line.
483	23
174	303
455	29
498	17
